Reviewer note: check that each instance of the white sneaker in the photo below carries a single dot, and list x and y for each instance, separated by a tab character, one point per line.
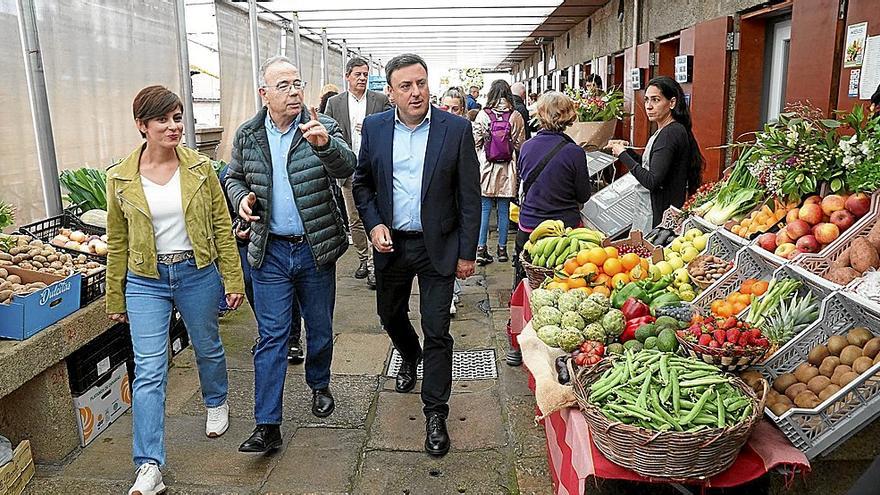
453	309
218	421
149	481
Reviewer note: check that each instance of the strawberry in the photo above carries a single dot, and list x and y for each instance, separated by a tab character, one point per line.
720	336
733	335
730	322
745	339
763	342
714	344
705	339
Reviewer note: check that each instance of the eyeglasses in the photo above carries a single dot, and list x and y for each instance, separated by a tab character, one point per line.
284	86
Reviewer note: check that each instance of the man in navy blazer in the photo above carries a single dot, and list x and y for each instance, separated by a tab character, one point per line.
417	189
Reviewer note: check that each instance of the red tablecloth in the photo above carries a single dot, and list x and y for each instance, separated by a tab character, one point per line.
573	457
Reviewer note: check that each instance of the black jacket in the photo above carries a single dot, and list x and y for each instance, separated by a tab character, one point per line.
520	106
450	212
667	178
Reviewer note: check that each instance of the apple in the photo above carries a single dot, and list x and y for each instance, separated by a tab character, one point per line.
813	200
783	237
826	233
797	229
843	219
808	244
792	255
792	215
785	249
811	213
767	241
858	204
832	203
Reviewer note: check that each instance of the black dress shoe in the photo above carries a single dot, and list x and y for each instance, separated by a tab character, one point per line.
295	353
436	436
322	402
263	439
406	376
362	270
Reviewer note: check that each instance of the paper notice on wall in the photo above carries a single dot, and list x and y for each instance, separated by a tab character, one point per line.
870	68
855	44
853	90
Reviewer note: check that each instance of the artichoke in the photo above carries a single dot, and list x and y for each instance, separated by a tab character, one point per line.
594	331
601	300
590	310
549	335
541	298
549	315
568	301
569	339
614	322
573	319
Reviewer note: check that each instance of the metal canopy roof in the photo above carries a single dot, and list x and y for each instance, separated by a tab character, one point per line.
489	34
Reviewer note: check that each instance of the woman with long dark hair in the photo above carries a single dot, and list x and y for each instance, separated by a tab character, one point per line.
671	167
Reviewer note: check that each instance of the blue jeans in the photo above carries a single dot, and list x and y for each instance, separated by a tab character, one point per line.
149	301
295	319
289	277
503	220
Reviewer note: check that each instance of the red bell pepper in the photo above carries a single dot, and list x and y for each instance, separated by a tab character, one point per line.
632	325
633	308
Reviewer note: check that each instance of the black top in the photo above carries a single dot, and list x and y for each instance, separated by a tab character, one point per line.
667	177
520	107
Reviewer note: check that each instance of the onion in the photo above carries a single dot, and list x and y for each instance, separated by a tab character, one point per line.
77	236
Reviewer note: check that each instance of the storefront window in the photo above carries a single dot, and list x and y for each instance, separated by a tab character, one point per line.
776	71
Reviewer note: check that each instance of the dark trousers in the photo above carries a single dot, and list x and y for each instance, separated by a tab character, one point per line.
518	272
393	286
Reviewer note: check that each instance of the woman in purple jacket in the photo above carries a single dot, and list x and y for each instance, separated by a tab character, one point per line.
553	171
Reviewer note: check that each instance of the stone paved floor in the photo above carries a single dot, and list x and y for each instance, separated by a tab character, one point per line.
372	443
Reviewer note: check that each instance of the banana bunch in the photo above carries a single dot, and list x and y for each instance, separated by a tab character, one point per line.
553	245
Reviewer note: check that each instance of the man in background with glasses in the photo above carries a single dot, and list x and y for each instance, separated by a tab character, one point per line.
350	109
283	162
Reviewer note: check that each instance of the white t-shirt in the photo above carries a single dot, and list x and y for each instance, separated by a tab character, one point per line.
166	210
357	111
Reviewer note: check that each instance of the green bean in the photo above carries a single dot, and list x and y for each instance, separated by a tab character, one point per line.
696	410
720	405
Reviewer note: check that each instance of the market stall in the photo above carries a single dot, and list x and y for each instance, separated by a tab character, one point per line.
739	337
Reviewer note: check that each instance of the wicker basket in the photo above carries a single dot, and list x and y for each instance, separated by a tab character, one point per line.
536	274
726	361
692	264
670	455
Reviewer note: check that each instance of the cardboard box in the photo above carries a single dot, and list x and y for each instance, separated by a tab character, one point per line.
29	314
102	404
16	474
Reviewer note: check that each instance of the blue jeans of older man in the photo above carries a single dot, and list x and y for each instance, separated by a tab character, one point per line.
149	304
289	276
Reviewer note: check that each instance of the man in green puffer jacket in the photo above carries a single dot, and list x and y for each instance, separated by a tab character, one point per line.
283	162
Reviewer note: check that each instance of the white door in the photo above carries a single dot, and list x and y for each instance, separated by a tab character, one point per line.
780	40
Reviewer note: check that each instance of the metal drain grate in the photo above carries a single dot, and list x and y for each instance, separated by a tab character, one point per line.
466	365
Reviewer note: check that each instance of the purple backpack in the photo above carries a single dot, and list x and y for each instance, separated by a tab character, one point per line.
499	148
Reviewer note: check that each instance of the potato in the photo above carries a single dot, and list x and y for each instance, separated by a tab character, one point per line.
806	400
779	408
842	261
14	279
836	344
849	354
783	381
839	372
859	336
4	273
874	236
818	383
842	276
848	377
863	255
877	359
828	392
828	365
5	294
862	364
793	391
805	372
5	285
817	355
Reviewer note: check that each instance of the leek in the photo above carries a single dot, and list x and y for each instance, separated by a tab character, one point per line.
732	204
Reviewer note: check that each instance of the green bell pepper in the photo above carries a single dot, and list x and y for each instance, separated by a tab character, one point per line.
664	299
619	296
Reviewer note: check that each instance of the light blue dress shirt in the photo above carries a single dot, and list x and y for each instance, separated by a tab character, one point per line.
409	163
284	218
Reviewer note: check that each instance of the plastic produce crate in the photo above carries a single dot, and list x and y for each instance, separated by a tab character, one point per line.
611	209
96	360
674	220
820	430
747	264
45	230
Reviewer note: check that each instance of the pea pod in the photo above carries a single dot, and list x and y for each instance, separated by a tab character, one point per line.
703	381
696	410
720	405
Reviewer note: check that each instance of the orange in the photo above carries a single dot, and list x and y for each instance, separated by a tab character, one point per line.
583	256
556	285
619	279
611	251
645	265
602	290
716	304
590	269
612	267
596	256
629	261
570	266
760	287
576	283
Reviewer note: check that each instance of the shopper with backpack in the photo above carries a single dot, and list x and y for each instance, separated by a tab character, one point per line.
499	131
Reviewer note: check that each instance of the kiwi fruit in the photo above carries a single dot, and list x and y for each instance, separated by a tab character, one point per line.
838	372
796	389
849	354
828	392
877	358
862	364
872	348
805	372
836	344
806	400
848	377
779	408
783	381
817	354
752	378
859	336
828	365
818	383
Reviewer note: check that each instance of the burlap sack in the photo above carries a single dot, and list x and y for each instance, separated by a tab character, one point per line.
540	359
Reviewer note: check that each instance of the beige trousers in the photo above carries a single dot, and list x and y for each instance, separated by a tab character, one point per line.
358	235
